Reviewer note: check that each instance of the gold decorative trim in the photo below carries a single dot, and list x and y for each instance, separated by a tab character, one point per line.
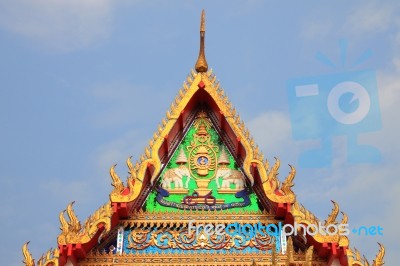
143	218
48	259
28	260
354	257
206	258
181	101
303	216
134	181
72	231
379	257
309	254
180	239
241	132
272	186
289	252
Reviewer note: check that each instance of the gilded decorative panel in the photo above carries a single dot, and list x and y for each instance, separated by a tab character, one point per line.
202	175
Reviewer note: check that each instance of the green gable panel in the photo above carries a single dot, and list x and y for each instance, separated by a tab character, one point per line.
202	175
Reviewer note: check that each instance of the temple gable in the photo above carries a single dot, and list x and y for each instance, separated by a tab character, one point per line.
202	193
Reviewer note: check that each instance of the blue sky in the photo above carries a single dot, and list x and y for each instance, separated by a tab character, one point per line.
83	85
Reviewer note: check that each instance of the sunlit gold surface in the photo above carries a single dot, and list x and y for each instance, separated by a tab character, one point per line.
73	233
204	259
354	257
134	180
28	261
48	259
201	64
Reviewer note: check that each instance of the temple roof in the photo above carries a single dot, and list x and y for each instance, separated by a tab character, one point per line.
201	92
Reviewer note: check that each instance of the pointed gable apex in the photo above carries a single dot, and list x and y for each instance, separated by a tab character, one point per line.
202	89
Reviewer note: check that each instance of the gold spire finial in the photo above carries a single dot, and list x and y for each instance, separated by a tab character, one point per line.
203	21
201	64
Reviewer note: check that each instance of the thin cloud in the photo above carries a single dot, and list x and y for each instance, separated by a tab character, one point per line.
61	25
271	131
122	103
356	21
118	150
371	18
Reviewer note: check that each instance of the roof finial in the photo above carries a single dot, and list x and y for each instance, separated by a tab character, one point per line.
201	64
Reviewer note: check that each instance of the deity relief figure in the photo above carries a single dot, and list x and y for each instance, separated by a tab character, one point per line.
175	175
229	176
